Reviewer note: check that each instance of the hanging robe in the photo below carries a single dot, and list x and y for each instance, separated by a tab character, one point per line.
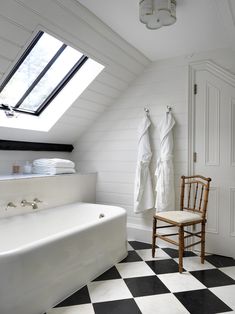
165	198
143	193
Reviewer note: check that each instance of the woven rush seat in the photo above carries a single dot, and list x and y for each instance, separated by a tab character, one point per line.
179	216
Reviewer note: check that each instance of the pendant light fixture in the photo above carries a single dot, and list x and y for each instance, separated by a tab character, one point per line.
157	13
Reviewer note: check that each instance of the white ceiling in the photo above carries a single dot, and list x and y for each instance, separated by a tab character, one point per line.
72	23
202	25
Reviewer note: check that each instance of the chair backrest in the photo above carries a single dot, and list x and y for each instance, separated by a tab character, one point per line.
194	194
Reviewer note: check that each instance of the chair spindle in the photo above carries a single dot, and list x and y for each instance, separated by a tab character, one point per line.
195	198
189	194
200	203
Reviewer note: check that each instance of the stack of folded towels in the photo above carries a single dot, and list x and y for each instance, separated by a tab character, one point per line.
53	166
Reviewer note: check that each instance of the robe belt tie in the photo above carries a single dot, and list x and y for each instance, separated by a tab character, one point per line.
160	161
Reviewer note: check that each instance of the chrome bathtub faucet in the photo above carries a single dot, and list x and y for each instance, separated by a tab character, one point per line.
26	203
36	200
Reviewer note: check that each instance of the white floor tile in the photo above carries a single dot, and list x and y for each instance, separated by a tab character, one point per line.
129	247
199	253
101	291
177	282
134	269
226	294
160	304
146	255
230	271
194	263
75	309
163	245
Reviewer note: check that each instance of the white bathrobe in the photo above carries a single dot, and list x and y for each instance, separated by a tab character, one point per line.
143	194
165	199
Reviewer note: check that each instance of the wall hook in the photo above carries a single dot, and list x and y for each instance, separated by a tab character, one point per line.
169	109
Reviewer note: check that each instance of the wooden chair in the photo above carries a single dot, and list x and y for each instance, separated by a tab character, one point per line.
193	206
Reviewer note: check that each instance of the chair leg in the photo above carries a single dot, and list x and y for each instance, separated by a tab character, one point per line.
181	248
203	243
153	236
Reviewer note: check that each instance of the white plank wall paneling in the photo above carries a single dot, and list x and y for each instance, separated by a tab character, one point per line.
110	145
106	116
78	27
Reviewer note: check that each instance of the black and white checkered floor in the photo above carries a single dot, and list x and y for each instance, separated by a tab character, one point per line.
141	284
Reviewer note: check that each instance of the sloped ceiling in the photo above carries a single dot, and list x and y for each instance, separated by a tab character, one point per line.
202	25
78	27
109	31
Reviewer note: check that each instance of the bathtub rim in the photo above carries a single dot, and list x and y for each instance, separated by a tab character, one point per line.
63	234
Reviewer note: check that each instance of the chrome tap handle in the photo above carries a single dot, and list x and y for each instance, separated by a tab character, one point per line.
23	203
10	204
36	200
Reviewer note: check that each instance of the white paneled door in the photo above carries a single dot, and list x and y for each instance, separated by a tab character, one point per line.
215	156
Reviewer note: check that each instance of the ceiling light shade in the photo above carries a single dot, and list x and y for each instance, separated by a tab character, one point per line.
157	13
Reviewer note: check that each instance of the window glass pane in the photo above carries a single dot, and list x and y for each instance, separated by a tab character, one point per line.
51	79
37	59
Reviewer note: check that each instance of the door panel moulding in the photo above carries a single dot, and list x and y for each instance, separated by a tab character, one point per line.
194	67
232	141
232	212
213	211
212	154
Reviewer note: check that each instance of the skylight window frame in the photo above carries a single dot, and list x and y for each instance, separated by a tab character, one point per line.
57	88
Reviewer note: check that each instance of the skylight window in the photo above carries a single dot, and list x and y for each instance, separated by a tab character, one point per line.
46	80
41	73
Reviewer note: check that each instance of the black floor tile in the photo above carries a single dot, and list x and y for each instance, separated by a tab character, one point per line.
163	266
175	253
127	306
201	301
142	286
131	257
213	278
112	273
140	245
220	261
79	297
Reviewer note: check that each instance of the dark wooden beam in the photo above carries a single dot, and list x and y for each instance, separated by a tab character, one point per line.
34	146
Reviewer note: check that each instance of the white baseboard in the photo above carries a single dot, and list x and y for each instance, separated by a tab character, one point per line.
139	233
144	234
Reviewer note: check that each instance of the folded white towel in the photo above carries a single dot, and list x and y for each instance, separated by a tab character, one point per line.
52	170
54	162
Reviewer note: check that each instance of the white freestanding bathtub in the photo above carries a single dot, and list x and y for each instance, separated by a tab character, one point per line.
47	255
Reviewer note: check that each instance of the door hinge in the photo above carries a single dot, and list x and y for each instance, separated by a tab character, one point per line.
194	157
195	89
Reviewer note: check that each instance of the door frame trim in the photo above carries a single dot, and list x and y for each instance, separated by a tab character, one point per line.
216	70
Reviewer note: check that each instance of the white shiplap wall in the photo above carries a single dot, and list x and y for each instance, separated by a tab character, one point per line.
110	145
79	28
